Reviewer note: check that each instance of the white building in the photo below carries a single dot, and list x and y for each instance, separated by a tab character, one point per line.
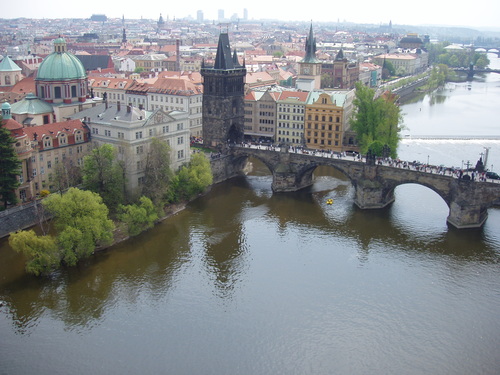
130	130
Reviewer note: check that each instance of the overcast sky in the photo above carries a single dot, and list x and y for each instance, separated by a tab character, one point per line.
435	12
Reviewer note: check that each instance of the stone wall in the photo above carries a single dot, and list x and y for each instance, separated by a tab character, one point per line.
20	217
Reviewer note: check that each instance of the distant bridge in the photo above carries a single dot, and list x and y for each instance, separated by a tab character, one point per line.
471	71
468	200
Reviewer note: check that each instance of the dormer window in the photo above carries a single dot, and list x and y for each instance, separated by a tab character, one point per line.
63	140
79	136
47	142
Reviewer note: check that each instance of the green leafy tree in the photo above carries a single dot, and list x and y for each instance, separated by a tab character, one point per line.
388	70
82	223
104	174
482	61
10	167
138	218
191	180
376	119
41	251
157	174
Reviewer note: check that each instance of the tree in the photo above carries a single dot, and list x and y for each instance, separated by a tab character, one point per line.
192	179
81	221
376	119
10	167
65	175
388	70
138	218
481	61
41	251
157	174
104	174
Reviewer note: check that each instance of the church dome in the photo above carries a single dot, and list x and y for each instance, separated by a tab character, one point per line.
60	65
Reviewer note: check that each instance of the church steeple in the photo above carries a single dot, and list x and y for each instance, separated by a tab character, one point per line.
310	48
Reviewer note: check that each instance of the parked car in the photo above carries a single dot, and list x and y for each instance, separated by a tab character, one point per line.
492	175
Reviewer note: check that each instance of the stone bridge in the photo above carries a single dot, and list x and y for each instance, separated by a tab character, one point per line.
468	201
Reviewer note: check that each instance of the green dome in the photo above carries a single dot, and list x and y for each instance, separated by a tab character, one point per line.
60	65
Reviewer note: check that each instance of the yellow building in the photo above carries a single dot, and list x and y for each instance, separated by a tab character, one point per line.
327	116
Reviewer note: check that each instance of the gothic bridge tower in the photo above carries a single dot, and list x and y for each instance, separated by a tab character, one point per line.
223	97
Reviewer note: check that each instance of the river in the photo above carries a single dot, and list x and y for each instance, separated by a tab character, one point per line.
244	281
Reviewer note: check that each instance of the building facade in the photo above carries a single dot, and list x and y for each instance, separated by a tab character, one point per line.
260	115
327	119
130	130
48	153
290	111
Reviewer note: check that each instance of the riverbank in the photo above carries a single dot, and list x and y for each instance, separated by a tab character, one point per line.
120	235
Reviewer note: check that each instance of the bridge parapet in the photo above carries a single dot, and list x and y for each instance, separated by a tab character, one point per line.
374	185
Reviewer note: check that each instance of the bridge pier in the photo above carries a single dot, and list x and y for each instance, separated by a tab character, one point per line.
372	194
465	215
287	181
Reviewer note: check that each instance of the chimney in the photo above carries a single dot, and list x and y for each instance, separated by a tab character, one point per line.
118	107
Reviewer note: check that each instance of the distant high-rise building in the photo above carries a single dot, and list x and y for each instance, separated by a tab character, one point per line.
245	14
220	14
199	16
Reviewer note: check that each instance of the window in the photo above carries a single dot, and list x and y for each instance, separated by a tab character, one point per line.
73	92
47	142
42	170
62	139
49	164
78	136
57	92
180	154
138	135
107	133
41	157
121	135
180	126
180	140
139	149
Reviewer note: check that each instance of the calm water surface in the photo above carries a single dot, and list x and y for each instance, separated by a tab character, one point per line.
245	281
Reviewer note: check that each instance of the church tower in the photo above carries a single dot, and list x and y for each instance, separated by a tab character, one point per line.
223	97
309	67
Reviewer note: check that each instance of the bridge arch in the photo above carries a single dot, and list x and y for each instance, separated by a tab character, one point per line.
374	185
444	195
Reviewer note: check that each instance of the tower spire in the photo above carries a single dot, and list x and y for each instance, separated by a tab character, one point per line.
310	47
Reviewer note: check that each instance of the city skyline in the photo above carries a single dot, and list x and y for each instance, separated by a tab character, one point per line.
427	12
